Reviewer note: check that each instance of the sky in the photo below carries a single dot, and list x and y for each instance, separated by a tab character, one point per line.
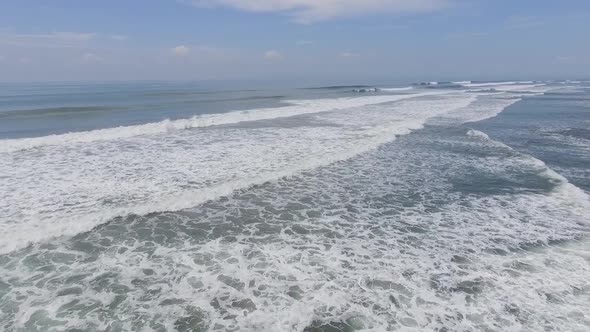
337	40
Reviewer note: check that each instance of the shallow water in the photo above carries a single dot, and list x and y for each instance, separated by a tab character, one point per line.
445	211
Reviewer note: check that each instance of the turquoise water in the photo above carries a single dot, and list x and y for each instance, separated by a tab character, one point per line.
431	208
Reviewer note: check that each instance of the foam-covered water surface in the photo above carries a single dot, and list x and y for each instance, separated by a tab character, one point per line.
398	215
68	188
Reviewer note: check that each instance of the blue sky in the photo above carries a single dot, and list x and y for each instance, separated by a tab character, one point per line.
349	40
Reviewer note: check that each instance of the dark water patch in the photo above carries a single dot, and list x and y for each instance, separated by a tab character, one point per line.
577	132
295	292
471	287
485	167
582	234
4	288
165	93
459	259
194	321
566	99
56	111
70	291
350	325
40	321
254	98
489	183
522	266
522	92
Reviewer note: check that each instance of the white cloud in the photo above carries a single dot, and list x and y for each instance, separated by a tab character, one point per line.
91	58
119	37
524	22
204	53
348	54
181	51
70	36
53	39
273	55
566	59
308	11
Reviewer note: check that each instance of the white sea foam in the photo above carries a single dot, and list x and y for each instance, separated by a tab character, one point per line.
514	88
407	88
523	87
485	107
497	83
477	133
297	107
568	89
336	245
68	189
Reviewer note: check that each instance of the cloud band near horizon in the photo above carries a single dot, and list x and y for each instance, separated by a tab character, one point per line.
310	11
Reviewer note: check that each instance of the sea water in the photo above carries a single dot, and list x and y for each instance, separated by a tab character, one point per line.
172	206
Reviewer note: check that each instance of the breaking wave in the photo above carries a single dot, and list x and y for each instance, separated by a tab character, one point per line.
296	107
179	169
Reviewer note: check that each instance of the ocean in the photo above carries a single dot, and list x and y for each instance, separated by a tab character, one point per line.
159	206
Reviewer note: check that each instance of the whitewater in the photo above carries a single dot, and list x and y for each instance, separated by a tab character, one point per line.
58	189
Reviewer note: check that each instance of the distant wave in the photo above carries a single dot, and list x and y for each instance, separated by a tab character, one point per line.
338	87
296	107
249	98
364	90
54	111
514	88
479	84
573	82
162	93
427	83
438	85
489	90
407	88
